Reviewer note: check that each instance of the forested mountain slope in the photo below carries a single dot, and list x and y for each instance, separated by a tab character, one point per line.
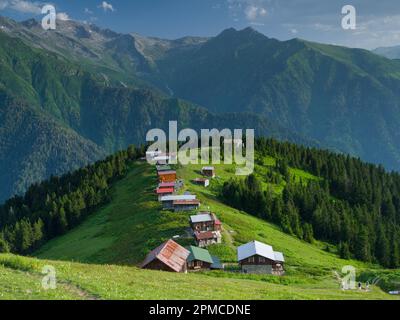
101	84
347	99
96	117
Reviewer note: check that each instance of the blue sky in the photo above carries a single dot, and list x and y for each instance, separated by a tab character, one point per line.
378	22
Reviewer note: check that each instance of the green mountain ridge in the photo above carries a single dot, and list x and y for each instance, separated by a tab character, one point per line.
347	99
388	52
33	147
101	116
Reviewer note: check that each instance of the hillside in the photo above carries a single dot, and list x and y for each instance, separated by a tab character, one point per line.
21	279
33	146
119	221
132	224
388	52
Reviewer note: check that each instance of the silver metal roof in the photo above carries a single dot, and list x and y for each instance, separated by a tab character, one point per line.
279	256
201	218
258	248
178	197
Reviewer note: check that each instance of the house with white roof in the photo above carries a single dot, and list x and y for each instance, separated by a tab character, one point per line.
259	258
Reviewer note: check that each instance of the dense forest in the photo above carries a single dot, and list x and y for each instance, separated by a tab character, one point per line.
354	205
53	207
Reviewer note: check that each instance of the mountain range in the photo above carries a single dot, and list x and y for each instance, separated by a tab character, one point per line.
57	115
70	96
388	52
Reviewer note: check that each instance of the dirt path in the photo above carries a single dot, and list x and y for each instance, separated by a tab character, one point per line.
228	237
78	290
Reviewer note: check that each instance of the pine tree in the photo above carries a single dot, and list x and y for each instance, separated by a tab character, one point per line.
362	246
4	247
308	234
38	232
344	250
382	247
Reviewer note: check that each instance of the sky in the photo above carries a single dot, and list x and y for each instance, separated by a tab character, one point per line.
377	22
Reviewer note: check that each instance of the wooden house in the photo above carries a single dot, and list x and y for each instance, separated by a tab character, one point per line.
200	259
167	176
161	192
208	172
166	185
202	181
207	238
259	258
205	221
186	205
168	201
169	256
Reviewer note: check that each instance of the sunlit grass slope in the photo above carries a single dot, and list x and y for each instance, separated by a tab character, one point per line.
122	232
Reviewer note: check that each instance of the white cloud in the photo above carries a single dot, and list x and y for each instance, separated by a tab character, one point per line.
63	16
88	11
106	6
3	4
252	10
262	12
21	6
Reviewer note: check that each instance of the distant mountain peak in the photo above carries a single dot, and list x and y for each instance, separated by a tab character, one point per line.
30	23
245	33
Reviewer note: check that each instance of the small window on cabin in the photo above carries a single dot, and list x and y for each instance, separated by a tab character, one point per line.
251	259
262	259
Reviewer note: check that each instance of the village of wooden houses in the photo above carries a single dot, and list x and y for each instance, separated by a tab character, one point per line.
205	228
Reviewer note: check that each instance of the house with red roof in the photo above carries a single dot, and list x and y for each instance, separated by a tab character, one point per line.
169	256
164	192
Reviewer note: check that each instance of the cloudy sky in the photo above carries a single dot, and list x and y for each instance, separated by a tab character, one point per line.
378	22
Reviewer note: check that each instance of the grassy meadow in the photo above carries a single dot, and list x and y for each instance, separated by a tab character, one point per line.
99	258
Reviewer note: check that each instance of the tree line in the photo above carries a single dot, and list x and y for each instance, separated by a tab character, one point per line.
52	207
353	205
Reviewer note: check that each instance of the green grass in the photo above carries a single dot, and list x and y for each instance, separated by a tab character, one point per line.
84	281
111	242
124	231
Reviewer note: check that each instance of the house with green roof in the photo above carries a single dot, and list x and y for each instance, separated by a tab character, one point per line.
200	259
